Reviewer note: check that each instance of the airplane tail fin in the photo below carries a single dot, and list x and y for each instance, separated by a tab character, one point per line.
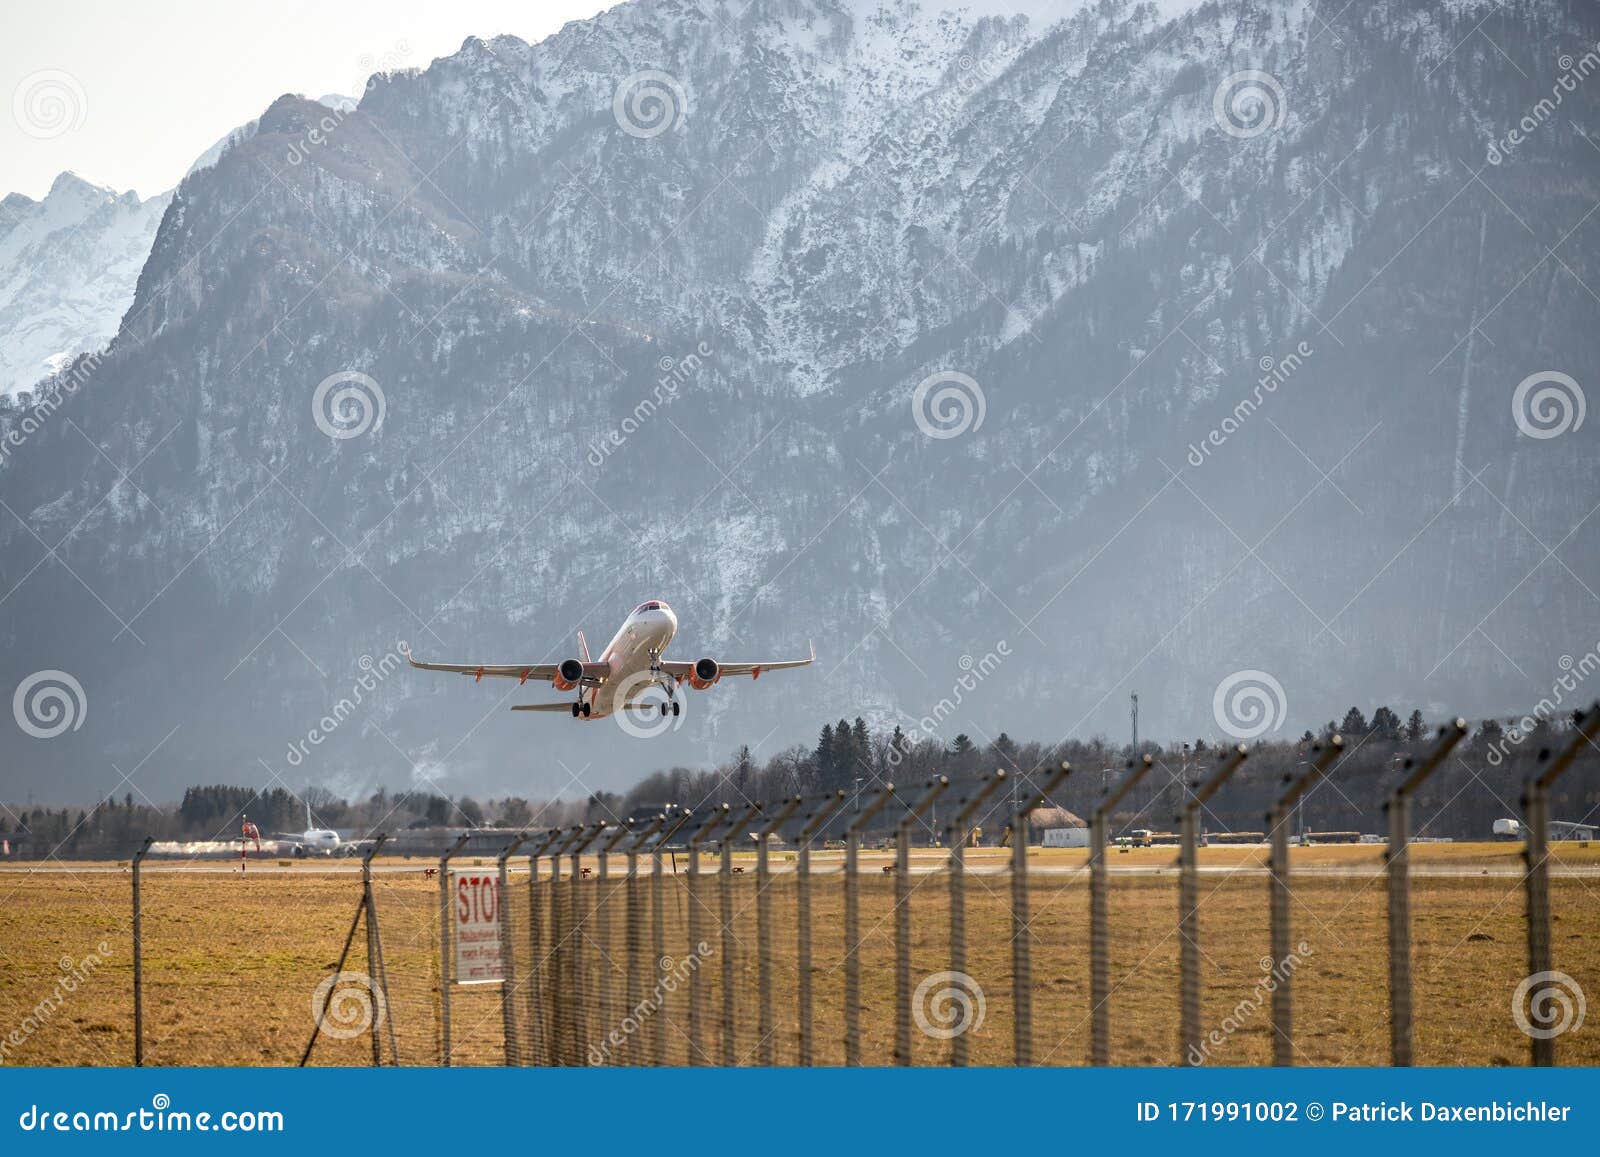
583	647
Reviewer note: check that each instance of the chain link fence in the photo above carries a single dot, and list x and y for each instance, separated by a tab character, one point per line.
802	933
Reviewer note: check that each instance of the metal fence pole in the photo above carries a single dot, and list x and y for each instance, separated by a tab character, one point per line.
560	954
1189	899
635	934
697	908
138	953
730	943
1397	857
445	969
508	953
540	1029
902	917
578	933
852	924
658	933
957	835
1099	933
1021	934
380	982
608	967
1536	817
1278	863
765	1026
818	819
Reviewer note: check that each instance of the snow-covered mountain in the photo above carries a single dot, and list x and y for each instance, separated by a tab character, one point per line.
683	301
68	266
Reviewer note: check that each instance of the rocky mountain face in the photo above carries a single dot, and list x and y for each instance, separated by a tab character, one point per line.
1020	364
68	266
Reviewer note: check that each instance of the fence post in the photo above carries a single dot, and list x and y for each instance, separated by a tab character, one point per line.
1278	863
658	932
697	906
578	934
561	954
1099	933
445	969
541	1030
1021	934
815	822
138	954
852	924
765	1028
1398	861
902	917
730	943
379	975
635	929
607	966
508	954
957	834
1536	817
1189	900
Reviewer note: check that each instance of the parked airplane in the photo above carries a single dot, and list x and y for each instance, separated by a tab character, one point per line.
627	669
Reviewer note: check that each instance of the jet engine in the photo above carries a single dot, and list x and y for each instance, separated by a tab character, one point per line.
706	672
568	675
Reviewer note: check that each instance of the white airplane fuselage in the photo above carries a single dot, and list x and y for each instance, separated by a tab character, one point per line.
634	649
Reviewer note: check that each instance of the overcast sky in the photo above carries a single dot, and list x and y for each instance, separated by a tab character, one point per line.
128	94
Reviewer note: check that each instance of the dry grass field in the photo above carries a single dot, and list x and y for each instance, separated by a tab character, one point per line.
231	963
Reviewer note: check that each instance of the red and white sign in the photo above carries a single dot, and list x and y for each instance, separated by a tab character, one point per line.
477	926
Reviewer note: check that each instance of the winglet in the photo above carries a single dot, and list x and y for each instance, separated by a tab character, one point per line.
583	647
812	647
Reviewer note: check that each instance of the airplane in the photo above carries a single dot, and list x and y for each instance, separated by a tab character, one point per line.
626	671
313	839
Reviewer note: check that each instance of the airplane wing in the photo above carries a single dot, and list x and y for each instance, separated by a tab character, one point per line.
683	668
563	706
593	673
